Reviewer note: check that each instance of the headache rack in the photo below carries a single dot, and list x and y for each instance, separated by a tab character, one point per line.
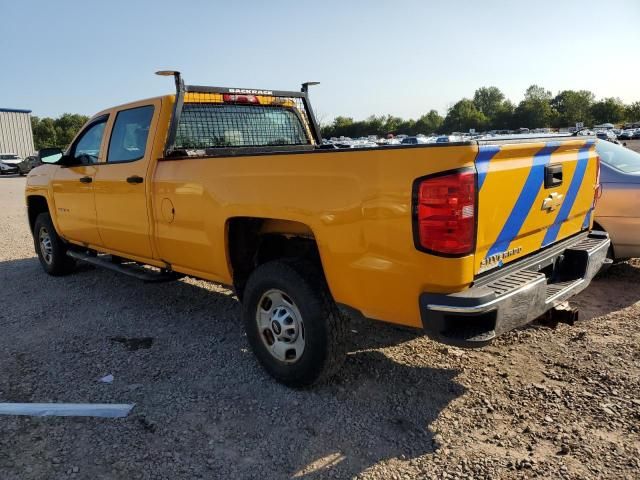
209	121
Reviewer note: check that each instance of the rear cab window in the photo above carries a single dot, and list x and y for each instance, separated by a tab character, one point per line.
211	125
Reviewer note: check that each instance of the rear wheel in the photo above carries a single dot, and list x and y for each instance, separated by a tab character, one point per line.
51	249
293	325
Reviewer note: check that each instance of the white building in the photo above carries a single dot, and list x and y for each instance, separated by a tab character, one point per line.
16	135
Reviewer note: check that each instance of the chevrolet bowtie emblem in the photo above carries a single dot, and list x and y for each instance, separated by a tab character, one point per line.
553	201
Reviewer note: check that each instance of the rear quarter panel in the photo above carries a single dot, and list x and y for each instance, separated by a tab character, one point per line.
357	203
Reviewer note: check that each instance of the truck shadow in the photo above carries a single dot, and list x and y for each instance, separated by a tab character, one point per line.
385	412
200	394
613	290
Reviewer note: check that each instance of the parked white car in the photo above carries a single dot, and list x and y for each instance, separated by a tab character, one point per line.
9	163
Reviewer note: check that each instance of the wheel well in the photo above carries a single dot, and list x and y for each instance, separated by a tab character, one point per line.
254	241
35	206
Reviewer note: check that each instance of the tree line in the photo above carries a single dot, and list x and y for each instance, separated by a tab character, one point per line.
489	109
56	132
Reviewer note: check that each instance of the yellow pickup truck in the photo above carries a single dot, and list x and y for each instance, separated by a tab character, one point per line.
464	240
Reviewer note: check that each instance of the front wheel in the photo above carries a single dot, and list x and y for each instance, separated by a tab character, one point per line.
51	249
293	325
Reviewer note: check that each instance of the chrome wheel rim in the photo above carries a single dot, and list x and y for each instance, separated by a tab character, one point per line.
280	326
46	247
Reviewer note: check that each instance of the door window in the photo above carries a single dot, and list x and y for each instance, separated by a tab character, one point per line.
87	148
130	132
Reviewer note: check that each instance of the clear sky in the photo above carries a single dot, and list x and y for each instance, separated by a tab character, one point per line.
372	57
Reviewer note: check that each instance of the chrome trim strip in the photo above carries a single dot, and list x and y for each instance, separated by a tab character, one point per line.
485	306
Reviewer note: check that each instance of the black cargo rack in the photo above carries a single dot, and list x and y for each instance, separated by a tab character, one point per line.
182	89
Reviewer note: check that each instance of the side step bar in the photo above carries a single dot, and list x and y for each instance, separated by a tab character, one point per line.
131	269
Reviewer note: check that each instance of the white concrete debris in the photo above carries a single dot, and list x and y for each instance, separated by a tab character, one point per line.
106	379
105	410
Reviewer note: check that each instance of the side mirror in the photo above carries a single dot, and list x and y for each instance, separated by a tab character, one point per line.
50	155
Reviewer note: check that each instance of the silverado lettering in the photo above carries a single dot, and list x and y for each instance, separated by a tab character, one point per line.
495	260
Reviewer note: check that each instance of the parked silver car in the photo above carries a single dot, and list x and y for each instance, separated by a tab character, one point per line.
9	163
618	210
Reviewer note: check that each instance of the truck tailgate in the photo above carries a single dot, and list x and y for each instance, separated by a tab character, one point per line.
531	194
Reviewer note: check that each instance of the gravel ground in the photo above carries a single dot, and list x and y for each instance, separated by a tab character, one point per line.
632	144
540	402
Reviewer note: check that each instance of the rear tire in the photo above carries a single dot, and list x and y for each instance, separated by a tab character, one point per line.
293	325
51	249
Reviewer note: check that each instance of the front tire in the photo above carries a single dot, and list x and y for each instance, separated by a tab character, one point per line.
51	249
293	325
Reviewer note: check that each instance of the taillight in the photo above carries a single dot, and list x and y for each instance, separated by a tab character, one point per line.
445	213
232	98
598	192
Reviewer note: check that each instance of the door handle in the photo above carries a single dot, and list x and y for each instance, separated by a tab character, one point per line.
134	179
553	175
86	179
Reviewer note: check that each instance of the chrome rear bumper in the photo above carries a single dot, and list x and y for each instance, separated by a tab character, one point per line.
528	288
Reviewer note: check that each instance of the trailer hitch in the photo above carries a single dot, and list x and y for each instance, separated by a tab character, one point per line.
561	313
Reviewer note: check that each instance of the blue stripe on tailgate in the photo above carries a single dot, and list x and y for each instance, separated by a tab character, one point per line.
487	152
572	193
525	200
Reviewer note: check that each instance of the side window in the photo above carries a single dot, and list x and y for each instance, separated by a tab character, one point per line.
129	136
87	147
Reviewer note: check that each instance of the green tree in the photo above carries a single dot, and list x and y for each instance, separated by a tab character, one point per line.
375	125
338	127
535	110
537	93
608	110
573	107
429	123
58	132
463	116
488	100
503	117
392	124
44	132
67	126
632	112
